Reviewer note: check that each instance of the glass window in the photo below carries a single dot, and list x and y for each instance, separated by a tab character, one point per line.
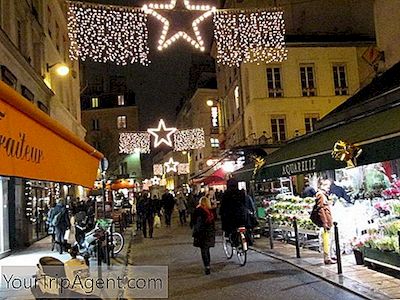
278	127
340	80
95	102
95	124
214	143
121	122
274	82
307	80
309	122
121	100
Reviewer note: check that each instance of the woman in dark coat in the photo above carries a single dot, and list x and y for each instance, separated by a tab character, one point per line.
203	224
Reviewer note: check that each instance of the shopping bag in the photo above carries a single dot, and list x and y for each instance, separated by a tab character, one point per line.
157	222
66	234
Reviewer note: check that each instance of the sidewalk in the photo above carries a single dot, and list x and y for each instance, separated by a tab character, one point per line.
26	260
358	279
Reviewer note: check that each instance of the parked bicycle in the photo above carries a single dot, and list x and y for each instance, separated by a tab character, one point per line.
236	242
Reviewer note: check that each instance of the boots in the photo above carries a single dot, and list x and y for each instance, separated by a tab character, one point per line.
328	260
207	270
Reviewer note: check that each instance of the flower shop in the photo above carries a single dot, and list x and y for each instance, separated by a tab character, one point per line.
362	162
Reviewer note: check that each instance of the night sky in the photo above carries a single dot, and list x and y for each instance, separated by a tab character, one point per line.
159	87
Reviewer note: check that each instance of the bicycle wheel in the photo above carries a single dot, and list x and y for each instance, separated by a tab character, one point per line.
241	255
118	242
228	249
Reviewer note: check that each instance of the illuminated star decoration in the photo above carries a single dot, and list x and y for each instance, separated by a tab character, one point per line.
171	165
196	42
164	132
155	180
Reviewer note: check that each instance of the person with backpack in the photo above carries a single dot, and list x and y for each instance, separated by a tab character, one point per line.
203	224
59	218
324	218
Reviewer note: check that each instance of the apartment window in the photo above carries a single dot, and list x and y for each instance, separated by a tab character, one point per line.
95	102
121	100
340	80
57	37
8	77
237	102
274	82
214	143
43	107
27	93
19	35
121	122
95	124
309	122
278	128
307	80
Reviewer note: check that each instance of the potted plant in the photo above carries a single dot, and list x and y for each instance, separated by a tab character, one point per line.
357	245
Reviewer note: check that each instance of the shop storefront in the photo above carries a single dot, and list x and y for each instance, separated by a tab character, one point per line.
365	199
40	161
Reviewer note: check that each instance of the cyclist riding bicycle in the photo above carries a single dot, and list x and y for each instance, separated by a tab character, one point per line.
233	209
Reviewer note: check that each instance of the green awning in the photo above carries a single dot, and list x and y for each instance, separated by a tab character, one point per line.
378	135
245	173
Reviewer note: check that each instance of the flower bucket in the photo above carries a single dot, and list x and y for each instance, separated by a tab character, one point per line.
358	255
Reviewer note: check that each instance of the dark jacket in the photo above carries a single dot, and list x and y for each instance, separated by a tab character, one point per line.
340	192
192	202
203	231
147	206
168	202
64	222
233	210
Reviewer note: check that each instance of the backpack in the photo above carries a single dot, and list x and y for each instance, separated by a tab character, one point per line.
314	216
57	218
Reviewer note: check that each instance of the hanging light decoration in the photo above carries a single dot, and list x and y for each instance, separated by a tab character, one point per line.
183	168
249	36
107	33
196	41
162	134
343	151
189	139
171	166
158	169
133	142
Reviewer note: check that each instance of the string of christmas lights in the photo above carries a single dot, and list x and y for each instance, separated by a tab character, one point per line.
183	168
158	169
107	33
196	41
29	201
131	142
189	139
249	36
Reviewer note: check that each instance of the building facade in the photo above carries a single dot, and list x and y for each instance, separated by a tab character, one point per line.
105	115
33	45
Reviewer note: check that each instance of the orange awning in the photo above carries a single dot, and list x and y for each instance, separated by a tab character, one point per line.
34	146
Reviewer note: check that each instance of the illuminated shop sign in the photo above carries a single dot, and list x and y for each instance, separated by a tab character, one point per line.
214	116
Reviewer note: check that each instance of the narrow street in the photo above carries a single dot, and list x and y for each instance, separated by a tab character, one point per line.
261	278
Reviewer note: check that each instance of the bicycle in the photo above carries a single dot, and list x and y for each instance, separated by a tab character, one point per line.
236	242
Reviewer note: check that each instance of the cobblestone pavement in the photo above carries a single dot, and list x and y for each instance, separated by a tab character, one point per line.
263	277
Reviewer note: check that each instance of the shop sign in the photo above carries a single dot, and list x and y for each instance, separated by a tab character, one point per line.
214	116
304	166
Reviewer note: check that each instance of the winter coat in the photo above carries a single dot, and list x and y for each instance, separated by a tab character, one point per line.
181	202
324	211
233	210
192	202
203	230
147	206
168	202
64	222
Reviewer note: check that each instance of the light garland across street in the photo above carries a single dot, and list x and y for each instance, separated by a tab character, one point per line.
107	33
164	42
131	142
249	36
189	139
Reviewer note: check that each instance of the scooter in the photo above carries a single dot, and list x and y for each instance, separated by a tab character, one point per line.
54	279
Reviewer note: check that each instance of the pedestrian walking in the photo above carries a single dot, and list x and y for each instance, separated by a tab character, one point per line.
191	203
168	202
181	205
203	225
50	228
148	212
60	220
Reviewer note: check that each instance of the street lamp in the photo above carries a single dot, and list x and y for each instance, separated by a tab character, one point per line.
210	102
60	68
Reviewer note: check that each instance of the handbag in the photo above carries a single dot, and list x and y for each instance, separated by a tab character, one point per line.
157	222
315	217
